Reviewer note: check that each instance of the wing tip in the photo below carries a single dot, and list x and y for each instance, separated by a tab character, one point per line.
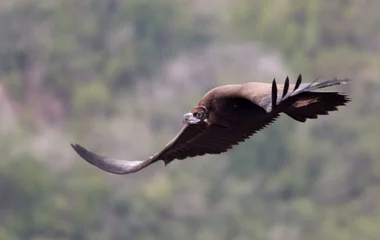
95	159
110	165
344	80
80	150
76	147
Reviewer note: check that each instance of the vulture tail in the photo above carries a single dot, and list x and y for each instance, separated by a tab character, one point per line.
308	105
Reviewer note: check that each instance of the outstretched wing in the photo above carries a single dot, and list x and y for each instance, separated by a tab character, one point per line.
192	140
295	97
119	166
218	138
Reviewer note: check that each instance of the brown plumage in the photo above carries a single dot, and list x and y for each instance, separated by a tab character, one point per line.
230	114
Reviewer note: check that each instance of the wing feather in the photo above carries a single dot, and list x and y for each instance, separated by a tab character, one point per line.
286	88
272	96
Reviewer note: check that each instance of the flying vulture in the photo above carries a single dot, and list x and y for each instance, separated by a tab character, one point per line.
230	114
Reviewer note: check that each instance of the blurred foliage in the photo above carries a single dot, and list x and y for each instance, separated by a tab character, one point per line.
103	61
78	42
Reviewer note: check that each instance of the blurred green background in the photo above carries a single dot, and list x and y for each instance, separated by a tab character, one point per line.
118	75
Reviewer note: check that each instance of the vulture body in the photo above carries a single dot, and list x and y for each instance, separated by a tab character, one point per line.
230	114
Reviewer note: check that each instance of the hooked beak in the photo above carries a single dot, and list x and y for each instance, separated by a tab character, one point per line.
189	118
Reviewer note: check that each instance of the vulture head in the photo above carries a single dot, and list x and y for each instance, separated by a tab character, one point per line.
228	115
197	115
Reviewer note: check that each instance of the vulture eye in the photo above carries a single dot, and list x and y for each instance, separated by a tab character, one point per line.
198	114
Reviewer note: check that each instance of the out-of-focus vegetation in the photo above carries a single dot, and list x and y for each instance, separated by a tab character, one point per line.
117	75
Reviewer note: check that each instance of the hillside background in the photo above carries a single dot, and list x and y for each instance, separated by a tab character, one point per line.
118	75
